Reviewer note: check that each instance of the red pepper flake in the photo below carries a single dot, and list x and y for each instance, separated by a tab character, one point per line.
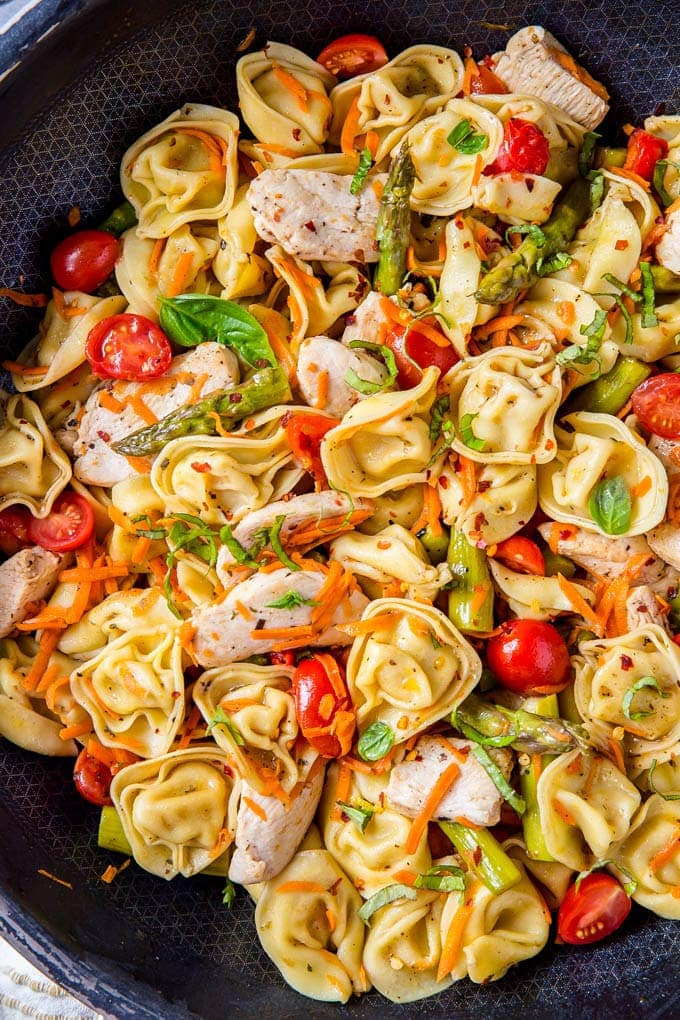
621	245
309	225
297	133
202	467
626	662
104	436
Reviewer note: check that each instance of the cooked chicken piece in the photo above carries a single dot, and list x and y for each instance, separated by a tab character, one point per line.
264	846
535	63
668	452
668	248
472	795
314	215
223	633
326	512
97	463
25	578
609	557
664	540
368	321
642	608
322	370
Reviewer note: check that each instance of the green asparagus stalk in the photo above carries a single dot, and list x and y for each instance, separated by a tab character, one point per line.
518	270
119	219
471	579
609	393
608	155
394	223
436	546
264	389
665	282
112	836
484	856
522	730
557	564
534	841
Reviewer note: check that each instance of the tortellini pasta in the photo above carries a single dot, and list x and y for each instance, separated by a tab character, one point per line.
610	242
178	811
504	500
411	670
460	276
239	270
24	718
393	554
650	855
533	596
33	468
601	446
115	616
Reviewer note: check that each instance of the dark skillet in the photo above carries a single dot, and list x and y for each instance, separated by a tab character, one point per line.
141	948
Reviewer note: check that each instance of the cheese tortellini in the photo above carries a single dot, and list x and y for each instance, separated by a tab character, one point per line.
393	554
25	718
503	502
644	855
33	468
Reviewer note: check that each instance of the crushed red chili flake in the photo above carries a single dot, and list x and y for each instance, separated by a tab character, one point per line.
200	466
626	662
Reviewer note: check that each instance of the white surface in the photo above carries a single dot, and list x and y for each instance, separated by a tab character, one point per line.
25	992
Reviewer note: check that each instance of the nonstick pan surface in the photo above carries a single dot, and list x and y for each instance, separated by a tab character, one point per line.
142	948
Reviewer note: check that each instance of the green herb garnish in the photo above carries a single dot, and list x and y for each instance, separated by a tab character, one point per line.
361	816
654	789
594	332
643	682
365	386
610	505
191	319
220	718
442	878
359	179
499	781
384	896
291	600
467	435
275	542
375	741
465	139
648	316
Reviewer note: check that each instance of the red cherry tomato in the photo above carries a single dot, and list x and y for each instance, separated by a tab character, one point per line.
529	657
656	403
128	346
353	54
282	658
414	351
522	555
305	432
597	908
69	524
83	261
644	151
92	778
484	82
524	148
14	524
323	705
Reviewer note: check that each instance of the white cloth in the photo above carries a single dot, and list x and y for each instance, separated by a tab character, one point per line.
25	992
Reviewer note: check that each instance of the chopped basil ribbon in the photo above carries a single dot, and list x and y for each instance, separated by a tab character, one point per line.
648	317
191	319
630	886
660	168
275	542
499	781
468	436
586	154
534	232
470	733
361	816
442	878
442	427
291	600
241	555
191	534
229	894
553	264
364	385
220	718
384	896
653	788
596	191
610	505
643	682
623	287
465	139
375	741
594	331
627	292
359	179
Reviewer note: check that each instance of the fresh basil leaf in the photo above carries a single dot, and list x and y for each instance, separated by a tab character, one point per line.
465	139
596	191
623	287
594	331
364	386
442	878
660	168
610	505
553	264
229	894
627	703
375	741
586	154
220	718
630	886
648	316
384	896
191	319
531	230
468	436
275	542
243	556
470	733
499	781
359	179
361	816
291	600
653	788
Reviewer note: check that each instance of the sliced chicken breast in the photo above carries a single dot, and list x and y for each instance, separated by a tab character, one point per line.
97	463
25	578
664	540
314	215
668	248
609	557
369	321
668	452
642	608
322	369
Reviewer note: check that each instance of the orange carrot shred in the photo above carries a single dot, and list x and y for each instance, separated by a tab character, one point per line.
255	808
301	887
666	854
454	938
419	824
26	300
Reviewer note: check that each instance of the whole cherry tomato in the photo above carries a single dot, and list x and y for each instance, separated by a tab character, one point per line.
323	706
592	910
83	261
68	525
14	524
353	54
524	148
521	554
92	778
414	350
529	657
305	432
643	153
656	403
129	347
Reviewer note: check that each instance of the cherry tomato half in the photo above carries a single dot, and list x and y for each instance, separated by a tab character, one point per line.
323	706
353	54
14	524
644	151
414	351
524	148
286	658
305	432
69	524
92	778
484	82
84	260
529	657
597	908
522	555
128	346
656	402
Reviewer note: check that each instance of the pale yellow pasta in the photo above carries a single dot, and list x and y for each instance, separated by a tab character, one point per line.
503	502
393	554
554	878
402	506
113	617
654	830
610	242
33	468
24	717
239	270
524	198
460	276
533	596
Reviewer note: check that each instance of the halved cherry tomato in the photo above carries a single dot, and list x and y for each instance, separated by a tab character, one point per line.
524	148
323	705
14	523
529	657
305	432
353	54
414	351
644	151
485	82
92	778
282	658
522	555
656	403
128	346
84	260
69	524
597	908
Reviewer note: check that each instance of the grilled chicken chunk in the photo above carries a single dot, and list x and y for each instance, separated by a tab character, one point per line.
314	215
664	540
609	557
321	357
668	248
25	578
668	452
369	321
642	608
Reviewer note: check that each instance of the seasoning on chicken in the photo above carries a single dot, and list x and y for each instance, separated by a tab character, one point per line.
322	370
668	248
609	557
25	578
642	608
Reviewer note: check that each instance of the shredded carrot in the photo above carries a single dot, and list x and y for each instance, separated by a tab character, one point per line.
454	937
78	574
180	274
156	253
196	390
563	812
477	173
590	778
291	84
112	872
142	465
419	824
301	887
467	472
566	311
16	369
579	604
48	643
244	611
471	71
140	550
332	919
321	390
53	878
219	427
216	147
479	594
350	127
459	754
430	515
190	727
414	266
372	142
342	789
536	766
77	730
405	877
109	402
255	808
617	754
281	633
48	677
26	300
359	627
632	176
63	310
642	488
279	346
666	854
500	322
557	532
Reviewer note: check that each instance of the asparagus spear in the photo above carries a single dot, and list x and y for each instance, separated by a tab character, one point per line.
484	855
471	600
665	282
528	780
525	731
112	836
607	156
264	389
119	219
394	223
517	271
609	393
436	546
